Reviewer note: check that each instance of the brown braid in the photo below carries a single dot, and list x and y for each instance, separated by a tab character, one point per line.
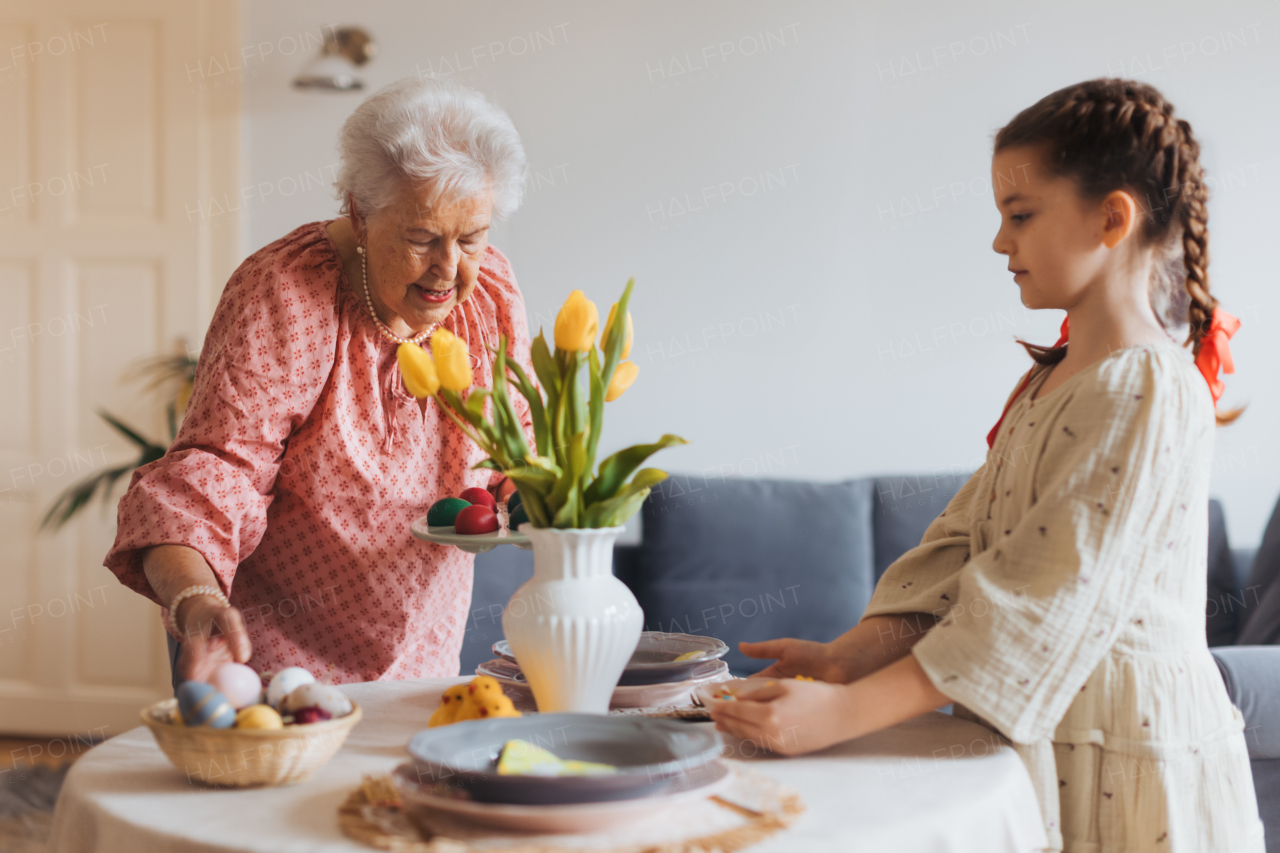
1112	134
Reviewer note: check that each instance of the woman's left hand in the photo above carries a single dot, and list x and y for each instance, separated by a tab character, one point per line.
788	716
504	490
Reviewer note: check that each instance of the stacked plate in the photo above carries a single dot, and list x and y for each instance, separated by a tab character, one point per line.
665	669
657	764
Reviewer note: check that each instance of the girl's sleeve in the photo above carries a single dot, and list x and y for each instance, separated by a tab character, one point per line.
926	578
1038	609
266	357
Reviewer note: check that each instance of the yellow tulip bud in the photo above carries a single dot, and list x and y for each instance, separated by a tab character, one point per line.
418	370
622	379
453	363
577	323
608	324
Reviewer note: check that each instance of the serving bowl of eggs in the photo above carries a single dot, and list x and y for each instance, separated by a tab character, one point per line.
236	731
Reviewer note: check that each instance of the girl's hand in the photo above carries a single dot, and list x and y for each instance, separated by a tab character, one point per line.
796	657
788	717
211	635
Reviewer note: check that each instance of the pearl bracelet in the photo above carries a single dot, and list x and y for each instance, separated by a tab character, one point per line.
189	592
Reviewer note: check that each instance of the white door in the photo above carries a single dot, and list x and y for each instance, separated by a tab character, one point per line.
108	142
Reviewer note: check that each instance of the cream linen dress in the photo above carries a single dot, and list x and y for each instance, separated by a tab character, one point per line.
1069	577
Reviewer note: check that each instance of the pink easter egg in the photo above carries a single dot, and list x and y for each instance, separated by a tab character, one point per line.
239	683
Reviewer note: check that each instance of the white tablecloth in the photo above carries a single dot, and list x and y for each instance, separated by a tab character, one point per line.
935	783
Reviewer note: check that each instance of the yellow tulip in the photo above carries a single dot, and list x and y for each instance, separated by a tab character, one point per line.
418	370
453	363
577	323
608	324
622	379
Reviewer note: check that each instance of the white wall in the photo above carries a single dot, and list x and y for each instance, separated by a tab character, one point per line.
848	316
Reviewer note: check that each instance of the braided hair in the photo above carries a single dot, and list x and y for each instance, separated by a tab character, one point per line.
1112	134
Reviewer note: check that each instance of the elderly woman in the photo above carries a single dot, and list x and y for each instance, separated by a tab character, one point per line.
276	530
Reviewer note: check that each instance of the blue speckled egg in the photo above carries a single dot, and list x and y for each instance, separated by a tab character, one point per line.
202	705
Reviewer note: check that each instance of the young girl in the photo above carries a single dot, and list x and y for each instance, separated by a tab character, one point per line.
1059	599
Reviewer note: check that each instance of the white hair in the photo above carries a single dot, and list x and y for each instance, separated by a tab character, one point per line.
433	133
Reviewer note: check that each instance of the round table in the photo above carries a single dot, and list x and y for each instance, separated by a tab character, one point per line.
935	783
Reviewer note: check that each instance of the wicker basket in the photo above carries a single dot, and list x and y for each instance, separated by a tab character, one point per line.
241	757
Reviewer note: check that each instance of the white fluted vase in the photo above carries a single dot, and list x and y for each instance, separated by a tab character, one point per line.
573	626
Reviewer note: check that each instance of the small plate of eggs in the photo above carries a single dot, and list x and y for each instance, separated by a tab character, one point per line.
239	728
473	522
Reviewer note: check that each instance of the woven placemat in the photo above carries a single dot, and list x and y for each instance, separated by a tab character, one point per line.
751	809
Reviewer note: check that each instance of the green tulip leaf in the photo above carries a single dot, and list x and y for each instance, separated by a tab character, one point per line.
620	513
615	470
544	364
598	389
537	413
617	337
566	517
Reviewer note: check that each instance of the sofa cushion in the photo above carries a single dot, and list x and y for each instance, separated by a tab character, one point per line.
1224	602
754	560
1266	786
903	508
1260	625
498	574
1250	674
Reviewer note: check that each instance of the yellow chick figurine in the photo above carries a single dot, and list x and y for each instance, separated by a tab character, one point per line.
481	699
450	704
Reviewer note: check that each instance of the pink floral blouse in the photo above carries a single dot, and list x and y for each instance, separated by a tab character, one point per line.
302	462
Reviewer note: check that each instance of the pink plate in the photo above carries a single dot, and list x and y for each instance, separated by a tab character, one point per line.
697	784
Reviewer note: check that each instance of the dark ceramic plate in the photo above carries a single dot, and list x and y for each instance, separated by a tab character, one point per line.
425	800
651	755
654	660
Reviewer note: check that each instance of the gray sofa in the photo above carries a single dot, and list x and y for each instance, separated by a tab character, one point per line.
746	559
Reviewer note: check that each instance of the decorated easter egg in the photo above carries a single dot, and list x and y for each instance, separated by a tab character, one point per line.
313	695
306	716
518	517
444	511
479	497
514	501
258	717
239	683
475	519
202	705
285	682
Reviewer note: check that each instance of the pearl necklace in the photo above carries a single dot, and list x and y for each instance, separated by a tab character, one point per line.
382	327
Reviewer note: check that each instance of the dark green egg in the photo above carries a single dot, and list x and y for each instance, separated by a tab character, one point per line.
514	501
444	511
517	518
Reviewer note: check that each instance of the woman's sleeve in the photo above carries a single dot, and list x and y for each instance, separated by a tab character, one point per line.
265	359
926	578
1038	608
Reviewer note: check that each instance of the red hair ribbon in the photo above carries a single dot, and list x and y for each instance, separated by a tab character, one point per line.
1062	339
1214	352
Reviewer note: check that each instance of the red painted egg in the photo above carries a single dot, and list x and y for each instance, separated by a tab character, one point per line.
475	519
306	716
479	497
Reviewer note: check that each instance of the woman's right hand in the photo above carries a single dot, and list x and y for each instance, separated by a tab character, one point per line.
796	657
212	634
